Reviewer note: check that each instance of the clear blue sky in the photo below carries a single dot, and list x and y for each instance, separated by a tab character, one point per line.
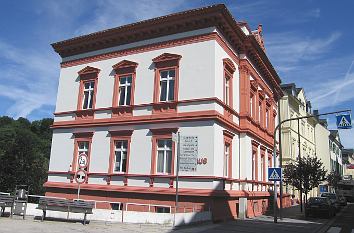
309	43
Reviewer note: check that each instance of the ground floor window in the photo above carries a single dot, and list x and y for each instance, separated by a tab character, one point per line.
120	158
164	155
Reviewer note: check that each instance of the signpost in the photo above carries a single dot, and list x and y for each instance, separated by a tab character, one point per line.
81	174
187	156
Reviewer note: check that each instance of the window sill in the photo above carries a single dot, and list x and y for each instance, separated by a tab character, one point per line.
122	111
164	107
85	114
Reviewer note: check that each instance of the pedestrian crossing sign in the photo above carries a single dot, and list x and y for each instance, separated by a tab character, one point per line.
344	121
274	174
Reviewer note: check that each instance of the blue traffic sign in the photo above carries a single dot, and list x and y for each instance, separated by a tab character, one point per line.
344	121
274	174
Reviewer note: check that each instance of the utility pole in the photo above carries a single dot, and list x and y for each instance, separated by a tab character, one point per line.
299	156
177	171
280	165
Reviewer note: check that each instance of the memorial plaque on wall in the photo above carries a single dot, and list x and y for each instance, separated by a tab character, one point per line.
188	153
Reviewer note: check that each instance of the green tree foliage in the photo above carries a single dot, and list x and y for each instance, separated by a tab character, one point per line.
305	174
333	178
24	153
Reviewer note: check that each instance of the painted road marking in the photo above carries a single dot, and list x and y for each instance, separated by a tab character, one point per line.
334	230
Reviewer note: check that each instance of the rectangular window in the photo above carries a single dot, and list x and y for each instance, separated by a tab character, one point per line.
125	89
226	158
88	94
254	165
260	113
251	105
262	168
164	155
227	91
267	119
120	155
83	148
167	85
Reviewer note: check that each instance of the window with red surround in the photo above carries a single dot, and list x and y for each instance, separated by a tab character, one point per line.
166	82
163	151
229	70
87	92
255	160
253	94
119	151
263	166
270	156
227	170
82	145
124	86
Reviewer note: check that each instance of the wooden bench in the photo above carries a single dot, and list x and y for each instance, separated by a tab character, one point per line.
64	205
7	201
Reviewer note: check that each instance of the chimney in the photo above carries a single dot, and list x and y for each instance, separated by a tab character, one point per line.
258	34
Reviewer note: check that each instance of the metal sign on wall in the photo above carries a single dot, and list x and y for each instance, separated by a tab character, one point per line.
188	153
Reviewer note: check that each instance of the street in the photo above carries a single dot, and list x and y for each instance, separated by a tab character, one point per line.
294	222
344	222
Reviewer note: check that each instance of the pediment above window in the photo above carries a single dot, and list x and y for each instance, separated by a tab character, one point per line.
124	64
89	70
166	57
229	65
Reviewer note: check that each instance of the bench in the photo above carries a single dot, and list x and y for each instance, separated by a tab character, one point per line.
7	201
64	205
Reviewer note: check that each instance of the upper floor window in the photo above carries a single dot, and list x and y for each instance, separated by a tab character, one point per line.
88	94
251	105
267	119
125	89
88	88
166	79
229	69
124	84
119	152
167	85
164	156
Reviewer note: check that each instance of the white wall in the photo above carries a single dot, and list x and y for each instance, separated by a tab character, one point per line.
196	76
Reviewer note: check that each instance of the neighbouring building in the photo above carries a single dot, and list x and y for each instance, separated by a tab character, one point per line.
348	162
298	136
124	91
335	147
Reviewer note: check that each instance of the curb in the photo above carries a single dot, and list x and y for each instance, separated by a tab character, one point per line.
325	227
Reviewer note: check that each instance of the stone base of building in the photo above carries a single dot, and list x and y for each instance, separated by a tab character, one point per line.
224	205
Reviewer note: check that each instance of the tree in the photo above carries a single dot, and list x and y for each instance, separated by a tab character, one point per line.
333	178
305	174
24	153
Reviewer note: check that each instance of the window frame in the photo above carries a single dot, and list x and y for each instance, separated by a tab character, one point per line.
227	162
78	138
123	69
167	86
165	61
158	134
121	135
165	149
87	74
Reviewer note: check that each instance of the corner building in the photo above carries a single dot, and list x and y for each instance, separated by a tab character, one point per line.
124	91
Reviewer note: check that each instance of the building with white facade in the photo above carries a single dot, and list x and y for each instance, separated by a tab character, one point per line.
124	91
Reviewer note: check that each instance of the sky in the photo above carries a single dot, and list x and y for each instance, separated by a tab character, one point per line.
309	42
